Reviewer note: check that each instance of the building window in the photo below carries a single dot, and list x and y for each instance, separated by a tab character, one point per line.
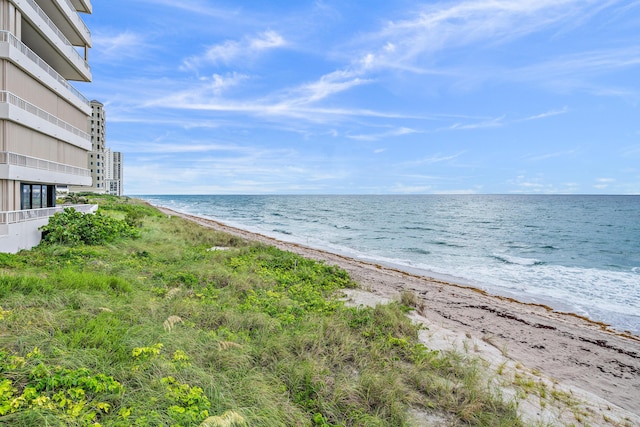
36	196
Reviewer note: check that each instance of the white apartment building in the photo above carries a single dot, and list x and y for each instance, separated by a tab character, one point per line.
44	137
113	178
105	165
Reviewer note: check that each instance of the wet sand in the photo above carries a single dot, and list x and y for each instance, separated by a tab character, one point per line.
596	369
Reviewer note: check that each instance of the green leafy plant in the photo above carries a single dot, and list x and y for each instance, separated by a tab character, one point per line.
71	227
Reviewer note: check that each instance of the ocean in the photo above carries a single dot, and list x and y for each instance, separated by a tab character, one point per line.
578	254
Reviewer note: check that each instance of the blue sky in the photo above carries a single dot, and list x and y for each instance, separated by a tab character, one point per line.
370	96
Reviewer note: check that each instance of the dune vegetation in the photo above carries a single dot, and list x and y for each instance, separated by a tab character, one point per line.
153	320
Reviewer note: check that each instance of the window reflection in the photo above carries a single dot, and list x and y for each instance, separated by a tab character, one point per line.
36	196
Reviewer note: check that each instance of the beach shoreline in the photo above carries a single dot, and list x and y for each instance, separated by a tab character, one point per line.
599	365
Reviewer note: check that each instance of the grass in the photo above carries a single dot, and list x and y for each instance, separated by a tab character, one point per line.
162	330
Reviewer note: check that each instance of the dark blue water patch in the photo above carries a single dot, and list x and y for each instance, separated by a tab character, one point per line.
418	251
527	262
443	243
549	247
416	228
277	230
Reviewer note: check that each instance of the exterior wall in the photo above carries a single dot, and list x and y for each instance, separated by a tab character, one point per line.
15	236
22	140
33	91
44	121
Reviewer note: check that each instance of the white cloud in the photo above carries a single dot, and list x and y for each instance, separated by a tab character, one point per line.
232	50
551	155
195	6
575	71
492	123
445	26
429	160
390	134
327	85
218	83
546	114
121	46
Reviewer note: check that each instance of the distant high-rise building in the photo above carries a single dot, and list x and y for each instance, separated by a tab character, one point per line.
105	165
44	136
114	180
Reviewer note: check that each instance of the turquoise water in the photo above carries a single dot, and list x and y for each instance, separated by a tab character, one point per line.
575	253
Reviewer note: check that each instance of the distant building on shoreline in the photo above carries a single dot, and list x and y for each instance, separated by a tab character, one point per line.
44	138
105	165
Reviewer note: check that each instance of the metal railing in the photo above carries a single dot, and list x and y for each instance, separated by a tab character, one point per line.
7	37
10	98
57	31
8	158
14	217
73	10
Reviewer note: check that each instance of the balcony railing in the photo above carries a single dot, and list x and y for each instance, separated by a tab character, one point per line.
8	158
59	33
10	98
7	37
14	217
73	9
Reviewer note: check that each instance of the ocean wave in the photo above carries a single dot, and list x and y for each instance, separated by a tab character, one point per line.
508	259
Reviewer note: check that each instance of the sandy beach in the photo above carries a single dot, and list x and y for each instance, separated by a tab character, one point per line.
564	369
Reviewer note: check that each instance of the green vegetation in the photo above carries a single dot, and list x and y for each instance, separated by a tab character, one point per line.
71	227
167	329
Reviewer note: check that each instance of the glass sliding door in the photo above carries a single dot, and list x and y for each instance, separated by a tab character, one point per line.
36	196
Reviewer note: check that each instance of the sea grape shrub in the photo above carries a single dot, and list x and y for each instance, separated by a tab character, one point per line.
71	227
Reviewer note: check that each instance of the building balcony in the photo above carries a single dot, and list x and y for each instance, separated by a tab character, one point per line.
82	5
18	110
42	36
66	18
18	167
17	52
13	217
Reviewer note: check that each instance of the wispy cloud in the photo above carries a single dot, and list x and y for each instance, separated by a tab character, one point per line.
195	6
444	26
545	115
327	85
552	155
578	71
118	47
492	123
232	50
437	158
390	134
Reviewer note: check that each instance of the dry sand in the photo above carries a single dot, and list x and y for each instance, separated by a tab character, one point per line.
562	369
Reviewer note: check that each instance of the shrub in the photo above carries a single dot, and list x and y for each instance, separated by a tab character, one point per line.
71	227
